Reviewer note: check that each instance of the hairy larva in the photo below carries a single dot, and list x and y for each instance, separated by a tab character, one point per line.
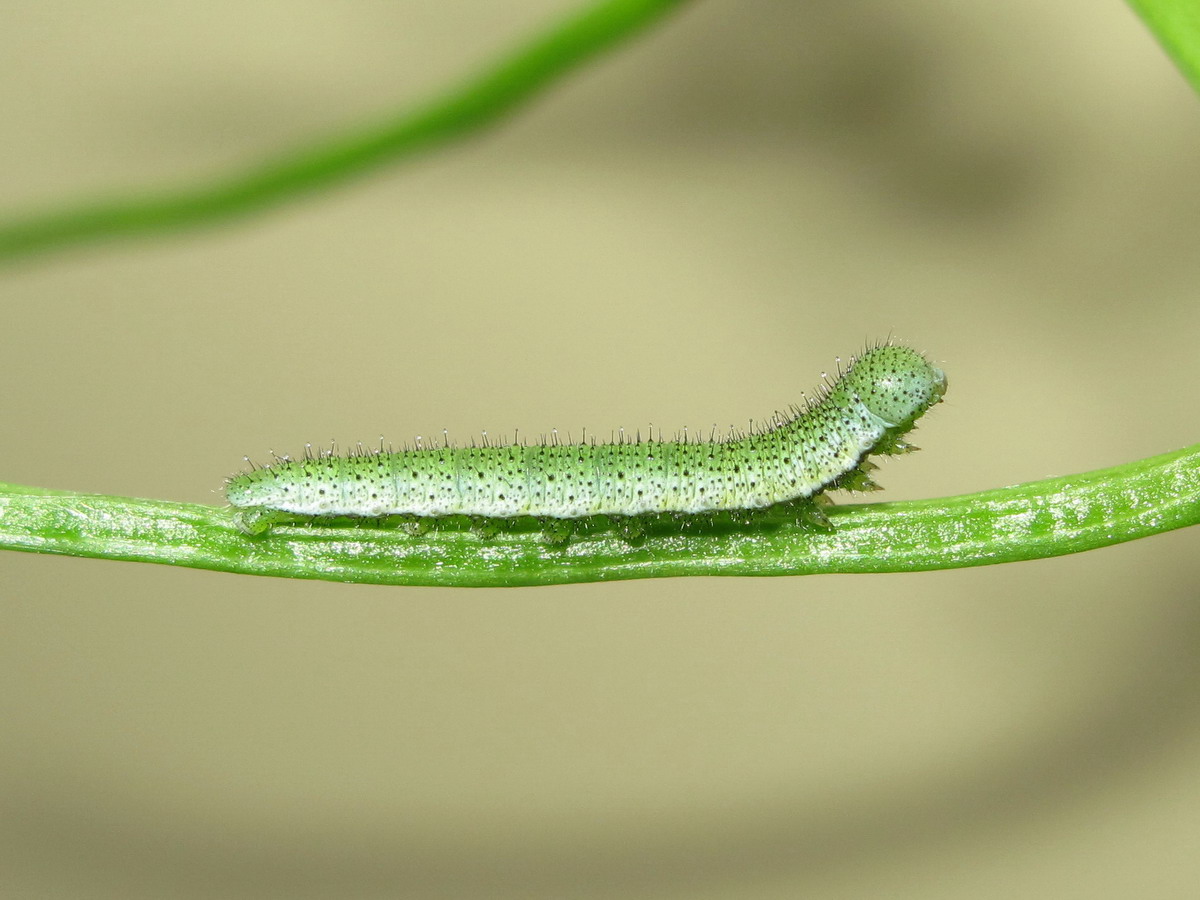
867	410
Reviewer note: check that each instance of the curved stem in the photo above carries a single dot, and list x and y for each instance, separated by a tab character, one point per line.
476	103
1028	521
1176	24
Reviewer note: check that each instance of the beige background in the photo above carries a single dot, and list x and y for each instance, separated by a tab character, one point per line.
687	232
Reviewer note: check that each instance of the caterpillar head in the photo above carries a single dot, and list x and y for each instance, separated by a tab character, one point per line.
897	384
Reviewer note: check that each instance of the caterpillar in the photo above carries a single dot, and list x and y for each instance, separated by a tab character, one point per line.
792	459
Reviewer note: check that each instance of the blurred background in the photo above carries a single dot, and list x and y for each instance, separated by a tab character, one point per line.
688	231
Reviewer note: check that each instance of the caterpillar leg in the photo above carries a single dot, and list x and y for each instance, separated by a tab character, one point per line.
894	445
416	525
631	529
255	520
856	480
485	527
557	532
810	513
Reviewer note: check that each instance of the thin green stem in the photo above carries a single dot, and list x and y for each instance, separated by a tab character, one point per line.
1028	521
472	105
1176	24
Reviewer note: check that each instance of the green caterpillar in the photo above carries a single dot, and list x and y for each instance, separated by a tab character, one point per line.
867	410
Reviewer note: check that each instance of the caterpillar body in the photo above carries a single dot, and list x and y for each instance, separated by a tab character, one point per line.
866	411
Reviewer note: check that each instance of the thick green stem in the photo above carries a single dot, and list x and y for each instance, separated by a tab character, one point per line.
1028	521
476	103
1176	24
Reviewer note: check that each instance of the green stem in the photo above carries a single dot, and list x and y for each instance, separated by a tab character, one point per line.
1028	521
1176	24
478	102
